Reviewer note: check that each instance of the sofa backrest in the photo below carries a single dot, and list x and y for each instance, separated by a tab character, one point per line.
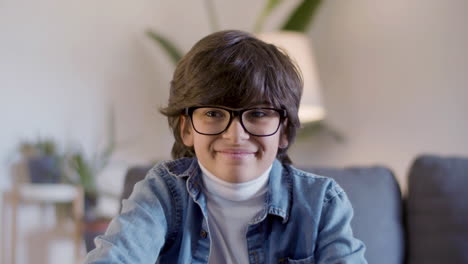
438	210
378	210
134	175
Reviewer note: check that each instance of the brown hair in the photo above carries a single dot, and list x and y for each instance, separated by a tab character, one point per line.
234	69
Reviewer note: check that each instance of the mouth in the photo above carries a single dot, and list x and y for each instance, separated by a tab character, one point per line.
236	154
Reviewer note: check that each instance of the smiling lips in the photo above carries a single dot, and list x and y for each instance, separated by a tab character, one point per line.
236	153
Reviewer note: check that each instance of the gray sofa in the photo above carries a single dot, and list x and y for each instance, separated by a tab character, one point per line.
428	226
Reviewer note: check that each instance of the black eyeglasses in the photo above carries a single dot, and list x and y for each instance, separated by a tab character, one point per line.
214	120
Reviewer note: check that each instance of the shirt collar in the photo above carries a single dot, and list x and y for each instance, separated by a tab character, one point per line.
278	197
187	167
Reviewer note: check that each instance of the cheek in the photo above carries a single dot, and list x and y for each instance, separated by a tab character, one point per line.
270	145
202	143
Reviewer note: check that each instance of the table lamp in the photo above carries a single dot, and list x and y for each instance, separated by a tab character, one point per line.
298	46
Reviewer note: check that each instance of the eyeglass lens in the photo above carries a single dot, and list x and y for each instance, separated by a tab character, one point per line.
258	121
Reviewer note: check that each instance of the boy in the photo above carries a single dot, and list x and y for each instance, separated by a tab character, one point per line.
230	195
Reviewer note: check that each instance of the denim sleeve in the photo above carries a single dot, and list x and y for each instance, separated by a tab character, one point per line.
138	234
336	243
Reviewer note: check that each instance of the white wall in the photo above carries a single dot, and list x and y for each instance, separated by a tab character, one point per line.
395	82
393	74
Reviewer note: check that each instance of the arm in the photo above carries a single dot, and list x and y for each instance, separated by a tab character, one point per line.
138	234
336	243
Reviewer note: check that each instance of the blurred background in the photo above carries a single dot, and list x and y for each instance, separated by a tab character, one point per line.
393	79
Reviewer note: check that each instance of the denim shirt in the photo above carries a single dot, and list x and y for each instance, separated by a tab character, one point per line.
306	219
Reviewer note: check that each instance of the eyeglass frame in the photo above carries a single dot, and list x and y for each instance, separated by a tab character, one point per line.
188	111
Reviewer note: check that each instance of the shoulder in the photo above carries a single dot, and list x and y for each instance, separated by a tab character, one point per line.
175	171
165	181
313	186
177	168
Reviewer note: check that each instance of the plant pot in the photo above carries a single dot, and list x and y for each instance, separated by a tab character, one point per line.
92	229
90	203
44	169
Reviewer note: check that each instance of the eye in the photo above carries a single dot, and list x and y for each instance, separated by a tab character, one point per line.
260	113
257	114
214	114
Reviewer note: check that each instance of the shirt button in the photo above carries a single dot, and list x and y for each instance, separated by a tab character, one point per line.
203	234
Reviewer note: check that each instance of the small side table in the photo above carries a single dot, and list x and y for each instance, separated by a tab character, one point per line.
45	194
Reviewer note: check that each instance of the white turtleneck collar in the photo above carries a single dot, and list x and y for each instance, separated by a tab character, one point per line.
235	191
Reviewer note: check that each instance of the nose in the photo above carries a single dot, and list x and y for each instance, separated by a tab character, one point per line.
235	131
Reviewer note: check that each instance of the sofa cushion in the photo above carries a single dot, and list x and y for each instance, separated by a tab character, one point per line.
376	199
438	210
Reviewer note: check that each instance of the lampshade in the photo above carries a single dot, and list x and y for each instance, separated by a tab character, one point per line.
299	48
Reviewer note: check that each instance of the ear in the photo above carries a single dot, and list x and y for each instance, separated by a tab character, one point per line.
283	141
186	131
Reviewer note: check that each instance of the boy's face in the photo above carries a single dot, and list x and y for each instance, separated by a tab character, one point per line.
234	155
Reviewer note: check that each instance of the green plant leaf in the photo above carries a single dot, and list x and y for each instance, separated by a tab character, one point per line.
167	45
269	7
85	172
302	16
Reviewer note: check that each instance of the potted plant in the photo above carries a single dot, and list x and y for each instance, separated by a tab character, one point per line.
44	164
